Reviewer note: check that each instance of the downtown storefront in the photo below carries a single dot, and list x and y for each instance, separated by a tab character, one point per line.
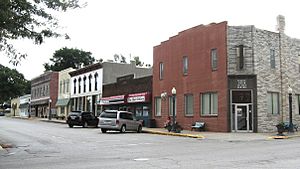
137	103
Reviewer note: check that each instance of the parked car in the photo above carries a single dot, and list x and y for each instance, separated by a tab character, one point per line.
119	121
2	113
84	119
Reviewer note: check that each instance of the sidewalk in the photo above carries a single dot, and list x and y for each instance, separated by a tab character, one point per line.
228	136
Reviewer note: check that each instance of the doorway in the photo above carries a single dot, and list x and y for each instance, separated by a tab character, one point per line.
243	117
242	111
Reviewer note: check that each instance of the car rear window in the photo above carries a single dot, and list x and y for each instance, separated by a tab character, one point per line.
75	113
111	115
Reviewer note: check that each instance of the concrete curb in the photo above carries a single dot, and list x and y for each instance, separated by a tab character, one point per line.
284	137
173	134
53	121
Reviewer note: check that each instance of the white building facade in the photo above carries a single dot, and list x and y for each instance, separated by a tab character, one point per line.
86	87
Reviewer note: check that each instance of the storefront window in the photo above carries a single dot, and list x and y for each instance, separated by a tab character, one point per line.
146	111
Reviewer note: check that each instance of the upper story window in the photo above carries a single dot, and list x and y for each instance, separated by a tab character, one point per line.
47	90
214	59
272	58
64	86
209	104
67	87
273	102
240	57
90	82
161	70
84	84
79	85
60	87
74	82
96	83
185	65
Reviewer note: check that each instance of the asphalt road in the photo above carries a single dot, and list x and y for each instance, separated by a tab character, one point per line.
41	145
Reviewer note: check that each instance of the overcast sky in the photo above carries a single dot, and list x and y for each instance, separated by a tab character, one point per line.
133	27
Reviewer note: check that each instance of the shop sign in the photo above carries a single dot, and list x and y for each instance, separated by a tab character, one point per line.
112	100
138	97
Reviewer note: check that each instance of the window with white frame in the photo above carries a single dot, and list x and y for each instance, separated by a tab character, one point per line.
157	106
209	103
96	81
189	104
185	65
74	82
214	59
79	85
84	84
273	102
272	58
171	106
161	70
90	82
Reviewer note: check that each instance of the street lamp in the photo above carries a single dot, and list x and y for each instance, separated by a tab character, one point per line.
49	109
291	126
174	118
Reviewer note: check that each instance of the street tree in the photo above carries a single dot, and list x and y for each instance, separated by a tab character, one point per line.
29	19
119	58
69	57
137	60
13	84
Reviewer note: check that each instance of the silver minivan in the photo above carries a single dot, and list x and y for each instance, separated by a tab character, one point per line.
119	121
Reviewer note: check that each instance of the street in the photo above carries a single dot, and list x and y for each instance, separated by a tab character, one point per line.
44	145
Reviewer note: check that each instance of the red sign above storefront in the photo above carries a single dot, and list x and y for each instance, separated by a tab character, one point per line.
112	100
130	98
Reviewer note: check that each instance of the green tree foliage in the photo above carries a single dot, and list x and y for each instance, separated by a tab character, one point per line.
65	58
119	58
29	19
138	62
13	84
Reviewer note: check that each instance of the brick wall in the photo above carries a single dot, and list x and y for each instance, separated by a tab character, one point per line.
195	43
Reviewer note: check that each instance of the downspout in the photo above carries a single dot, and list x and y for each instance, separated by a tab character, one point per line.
281	77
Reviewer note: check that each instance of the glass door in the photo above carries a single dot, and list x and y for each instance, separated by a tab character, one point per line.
243	121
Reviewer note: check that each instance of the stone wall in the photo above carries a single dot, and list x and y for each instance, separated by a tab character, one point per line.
258	45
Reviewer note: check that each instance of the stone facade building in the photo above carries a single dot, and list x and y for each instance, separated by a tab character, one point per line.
234	78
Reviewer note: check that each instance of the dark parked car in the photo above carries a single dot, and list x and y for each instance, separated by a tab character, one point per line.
84	119
2	113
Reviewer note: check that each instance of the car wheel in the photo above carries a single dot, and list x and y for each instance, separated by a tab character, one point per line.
139	129
70	125
85	124
123	129
103	130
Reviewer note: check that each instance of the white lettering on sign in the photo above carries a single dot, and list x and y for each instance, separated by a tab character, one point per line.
241	84
136	99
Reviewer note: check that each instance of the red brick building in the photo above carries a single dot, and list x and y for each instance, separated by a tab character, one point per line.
44	93
195	63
